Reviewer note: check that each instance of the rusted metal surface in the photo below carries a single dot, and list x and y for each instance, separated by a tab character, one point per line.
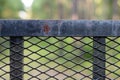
59	28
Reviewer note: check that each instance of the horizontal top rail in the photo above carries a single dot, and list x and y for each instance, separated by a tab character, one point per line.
59	28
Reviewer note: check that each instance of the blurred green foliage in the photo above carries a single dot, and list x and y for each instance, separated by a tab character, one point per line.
44	9
9	9
47	9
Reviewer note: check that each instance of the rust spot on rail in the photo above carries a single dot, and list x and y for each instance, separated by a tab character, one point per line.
46	28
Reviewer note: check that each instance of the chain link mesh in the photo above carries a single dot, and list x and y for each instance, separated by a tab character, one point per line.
59	58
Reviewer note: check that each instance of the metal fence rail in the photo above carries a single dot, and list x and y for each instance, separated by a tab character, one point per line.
59	50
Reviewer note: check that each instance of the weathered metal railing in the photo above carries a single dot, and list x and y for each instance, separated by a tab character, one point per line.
97	30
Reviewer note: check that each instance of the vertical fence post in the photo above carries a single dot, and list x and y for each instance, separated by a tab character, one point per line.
16	58
99	58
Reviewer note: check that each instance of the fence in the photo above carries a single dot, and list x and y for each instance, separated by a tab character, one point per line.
59	50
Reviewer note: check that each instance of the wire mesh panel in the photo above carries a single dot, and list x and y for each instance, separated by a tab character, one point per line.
4	58
113	58
59	58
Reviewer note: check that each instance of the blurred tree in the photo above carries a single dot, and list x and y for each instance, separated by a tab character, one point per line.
107	9
98	9
2	5
115	9
43	9
82	9
60	8
103	9
89	9
75	9
10	8
66	7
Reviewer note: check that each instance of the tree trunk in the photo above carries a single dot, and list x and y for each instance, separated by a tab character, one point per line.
61	10
89	9
115	10
75	10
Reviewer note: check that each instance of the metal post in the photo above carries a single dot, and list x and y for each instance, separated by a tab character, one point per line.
16	58
99	58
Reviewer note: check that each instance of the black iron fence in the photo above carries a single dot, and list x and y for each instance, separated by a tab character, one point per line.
59	50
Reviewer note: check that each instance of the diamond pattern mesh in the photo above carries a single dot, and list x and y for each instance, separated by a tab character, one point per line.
4	58
113	58
59	58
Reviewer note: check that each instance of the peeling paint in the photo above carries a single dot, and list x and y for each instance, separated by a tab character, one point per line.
46	29
59	28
